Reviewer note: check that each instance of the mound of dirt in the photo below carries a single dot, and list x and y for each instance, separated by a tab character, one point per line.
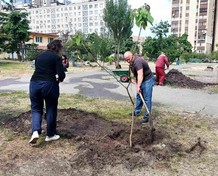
178	79
102	142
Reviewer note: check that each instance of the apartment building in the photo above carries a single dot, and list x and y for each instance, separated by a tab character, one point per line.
198	19
84	15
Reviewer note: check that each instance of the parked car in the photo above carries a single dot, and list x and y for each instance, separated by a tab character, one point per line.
206	60
215	61
194	60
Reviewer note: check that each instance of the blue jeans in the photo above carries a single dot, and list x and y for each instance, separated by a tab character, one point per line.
146	91
41	91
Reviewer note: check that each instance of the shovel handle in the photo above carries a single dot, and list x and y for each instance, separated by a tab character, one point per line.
146	107
149	115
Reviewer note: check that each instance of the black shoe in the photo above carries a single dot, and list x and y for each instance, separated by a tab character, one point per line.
144	120
134	114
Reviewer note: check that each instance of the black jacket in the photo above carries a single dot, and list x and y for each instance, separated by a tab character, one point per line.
47	65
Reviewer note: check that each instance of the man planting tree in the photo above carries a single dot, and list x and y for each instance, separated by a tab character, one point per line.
144	81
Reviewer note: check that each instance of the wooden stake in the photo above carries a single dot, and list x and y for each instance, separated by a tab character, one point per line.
131	130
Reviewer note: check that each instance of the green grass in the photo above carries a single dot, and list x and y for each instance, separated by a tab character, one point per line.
14	68
212	89
14	103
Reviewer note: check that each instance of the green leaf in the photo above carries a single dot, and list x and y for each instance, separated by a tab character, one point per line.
78	40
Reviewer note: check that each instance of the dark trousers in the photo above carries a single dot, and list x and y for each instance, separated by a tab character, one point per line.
41	91
160	75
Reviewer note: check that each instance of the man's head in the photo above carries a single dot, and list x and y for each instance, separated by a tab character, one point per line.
128	56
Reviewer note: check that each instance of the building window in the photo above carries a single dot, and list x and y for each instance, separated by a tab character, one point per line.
96	5
85	7
85	13
203	10
38	39
50	40
85	24
85	19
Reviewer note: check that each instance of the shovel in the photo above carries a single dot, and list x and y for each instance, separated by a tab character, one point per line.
149	117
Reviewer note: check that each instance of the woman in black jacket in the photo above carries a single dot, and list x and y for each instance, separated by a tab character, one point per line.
44	86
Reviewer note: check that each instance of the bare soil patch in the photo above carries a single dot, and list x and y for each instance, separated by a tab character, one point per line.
101	142
92	145
178	79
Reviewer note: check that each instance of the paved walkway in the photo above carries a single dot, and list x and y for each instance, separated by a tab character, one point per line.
100	84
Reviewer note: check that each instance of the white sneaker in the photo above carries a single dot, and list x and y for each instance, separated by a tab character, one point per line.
53	138
34	138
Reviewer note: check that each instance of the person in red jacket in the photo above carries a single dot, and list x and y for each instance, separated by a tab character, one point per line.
162	60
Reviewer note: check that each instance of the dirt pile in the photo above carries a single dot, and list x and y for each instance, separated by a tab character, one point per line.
178	79
101	142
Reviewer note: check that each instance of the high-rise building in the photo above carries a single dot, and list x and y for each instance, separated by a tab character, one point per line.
198	19
85	16
22	3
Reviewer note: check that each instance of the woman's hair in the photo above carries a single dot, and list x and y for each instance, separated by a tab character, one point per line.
55	46
65	57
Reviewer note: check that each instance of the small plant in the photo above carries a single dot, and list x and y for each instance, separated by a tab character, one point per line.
109	59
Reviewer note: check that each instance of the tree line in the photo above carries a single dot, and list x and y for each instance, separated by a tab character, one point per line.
116	37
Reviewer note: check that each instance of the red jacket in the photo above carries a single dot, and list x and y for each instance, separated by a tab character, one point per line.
162	60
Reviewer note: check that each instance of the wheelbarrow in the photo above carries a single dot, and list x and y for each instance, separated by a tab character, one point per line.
123	74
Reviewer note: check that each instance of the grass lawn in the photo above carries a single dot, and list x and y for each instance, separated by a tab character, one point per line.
14	68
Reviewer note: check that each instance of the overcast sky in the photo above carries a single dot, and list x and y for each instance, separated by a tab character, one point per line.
160	10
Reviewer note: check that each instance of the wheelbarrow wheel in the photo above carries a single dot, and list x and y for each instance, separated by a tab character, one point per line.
124	78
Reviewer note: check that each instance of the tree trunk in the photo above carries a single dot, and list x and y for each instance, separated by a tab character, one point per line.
22	52
19	56
117	64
